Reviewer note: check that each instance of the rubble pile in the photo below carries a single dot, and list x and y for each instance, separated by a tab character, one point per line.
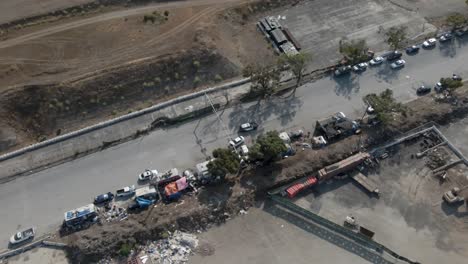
115	213
173	250
436	158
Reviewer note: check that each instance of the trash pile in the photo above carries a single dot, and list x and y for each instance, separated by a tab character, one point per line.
436	158
115	213
173	250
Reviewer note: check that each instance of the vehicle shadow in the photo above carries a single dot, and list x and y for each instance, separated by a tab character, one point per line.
458	210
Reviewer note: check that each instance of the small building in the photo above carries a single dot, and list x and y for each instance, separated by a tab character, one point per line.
278	36
335	126
288	48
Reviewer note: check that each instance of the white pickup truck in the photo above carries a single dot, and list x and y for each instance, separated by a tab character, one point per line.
126	191
23	236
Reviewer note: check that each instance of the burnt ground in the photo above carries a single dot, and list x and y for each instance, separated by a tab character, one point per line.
74	78
198	212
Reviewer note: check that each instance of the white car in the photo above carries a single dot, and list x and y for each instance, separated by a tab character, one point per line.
429	43
398	64
23	236
376	61
125	191
360	67
248	127
147	175
236	142
438	87
244	150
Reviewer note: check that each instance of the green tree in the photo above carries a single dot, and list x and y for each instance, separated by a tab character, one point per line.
456	20
354	51
384	105
264	78
297	64
268	147
395	37
450	83
226	161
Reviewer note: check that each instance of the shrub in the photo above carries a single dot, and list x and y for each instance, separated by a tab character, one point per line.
157	80
218	78
166	13
125	249
196	80
196	64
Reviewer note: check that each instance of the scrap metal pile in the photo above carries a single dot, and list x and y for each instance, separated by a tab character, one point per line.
173	250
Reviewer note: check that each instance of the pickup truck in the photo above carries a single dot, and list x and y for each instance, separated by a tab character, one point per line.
453	196
126	191
23	236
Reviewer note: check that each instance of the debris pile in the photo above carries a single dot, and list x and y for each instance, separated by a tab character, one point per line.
173	250
115	214
436	158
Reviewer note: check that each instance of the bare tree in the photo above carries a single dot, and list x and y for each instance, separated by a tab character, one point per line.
297	64
396	37
264	78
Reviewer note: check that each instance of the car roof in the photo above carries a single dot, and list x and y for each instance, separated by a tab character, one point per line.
245	125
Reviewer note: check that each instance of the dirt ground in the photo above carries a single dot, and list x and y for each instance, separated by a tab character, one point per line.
67	80
409	207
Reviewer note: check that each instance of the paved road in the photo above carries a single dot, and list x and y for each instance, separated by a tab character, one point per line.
40	199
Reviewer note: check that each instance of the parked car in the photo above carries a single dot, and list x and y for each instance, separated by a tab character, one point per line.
126	191
370	110
438	87
376	61
445	37
423	90
453	196
104	198
429	43
394	56
412	49
456	77
360	67
398	64
342	70
147	175
236	142
244	150
460	32
248	127
22	236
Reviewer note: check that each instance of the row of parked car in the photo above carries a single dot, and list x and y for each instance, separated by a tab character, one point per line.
395	57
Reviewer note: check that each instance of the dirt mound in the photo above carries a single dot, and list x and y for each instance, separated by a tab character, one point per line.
48	110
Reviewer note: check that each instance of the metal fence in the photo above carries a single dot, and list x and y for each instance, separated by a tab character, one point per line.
357	237
121	119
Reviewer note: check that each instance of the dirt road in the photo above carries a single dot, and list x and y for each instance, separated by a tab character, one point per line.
105	17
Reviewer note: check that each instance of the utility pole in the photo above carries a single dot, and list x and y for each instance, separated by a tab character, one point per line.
223	126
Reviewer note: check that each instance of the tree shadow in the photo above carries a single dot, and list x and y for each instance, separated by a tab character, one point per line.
347	85
448	49
386	73
283	109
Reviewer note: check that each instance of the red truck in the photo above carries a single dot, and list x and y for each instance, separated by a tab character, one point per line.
294	189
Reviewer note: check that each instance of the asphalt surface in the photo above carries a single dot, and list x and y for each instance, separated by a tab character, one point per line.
41	199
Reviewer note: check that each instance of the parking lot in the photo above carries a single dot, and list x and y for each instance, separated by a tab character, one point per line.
409	216
319	25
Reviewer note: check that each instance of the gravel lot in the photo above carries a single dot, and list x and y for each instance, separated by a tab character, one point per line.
409	217
319	25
